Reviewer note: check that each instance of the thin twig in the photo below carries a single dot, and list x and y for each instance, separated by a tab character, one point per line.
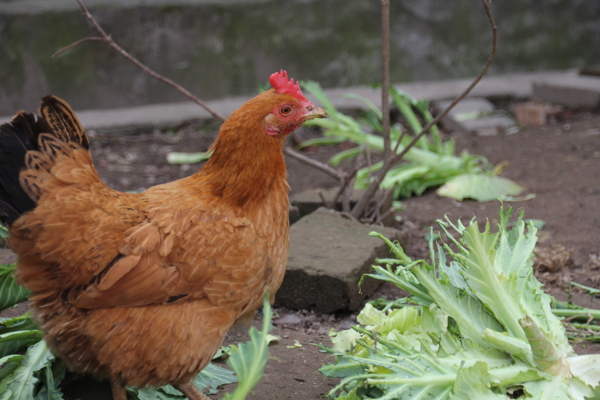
77	43
322	197
344	185
108	40
385	215
347	196
374	186
314	163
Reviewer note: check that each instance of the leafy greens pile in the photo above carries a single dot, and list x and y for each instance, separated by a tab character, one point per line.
430	163
480	328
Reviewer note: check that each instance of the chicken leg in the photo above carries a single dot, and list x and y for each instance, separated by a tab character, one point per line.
188	389
118	389
191	392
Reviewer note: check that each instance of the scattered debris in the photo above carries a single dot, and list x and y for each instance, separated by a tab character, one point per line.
534	113
289	319
552	258
272	339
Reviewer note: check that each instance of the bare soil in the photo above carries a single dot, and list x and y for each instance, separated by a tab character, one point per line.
559	163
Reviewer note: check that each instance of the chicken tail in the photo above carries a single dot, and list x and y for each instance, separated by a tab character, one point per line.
29	148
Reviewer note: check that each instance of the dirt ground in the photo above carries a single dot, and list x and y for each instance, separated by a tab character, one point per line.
559	163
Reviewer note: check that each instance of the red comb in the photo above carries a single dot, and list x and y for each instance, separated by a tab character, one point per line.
279	81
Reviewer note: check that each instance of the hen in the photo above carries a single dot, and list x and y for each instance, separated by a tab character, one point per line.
142	288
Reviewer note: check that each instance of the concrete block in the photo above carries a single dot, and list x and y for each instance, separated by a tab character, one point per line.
328	256
570	91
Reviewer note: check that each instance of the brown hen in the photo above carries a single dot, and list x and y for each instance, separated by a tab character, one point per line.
142	288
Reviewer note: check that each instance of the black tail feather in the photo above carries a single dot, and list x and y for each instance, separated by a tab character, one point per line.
16	138
55	117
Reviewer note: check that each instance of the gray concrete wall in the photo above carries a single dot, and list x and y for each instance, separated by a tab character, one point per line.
224	48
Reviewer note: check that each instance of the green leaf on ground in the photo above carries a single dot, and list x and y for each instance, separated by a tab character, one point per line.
480	187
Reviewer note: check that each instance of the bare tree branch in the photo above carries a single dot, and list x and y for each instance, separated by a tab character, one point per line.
374	185
108	40
385	78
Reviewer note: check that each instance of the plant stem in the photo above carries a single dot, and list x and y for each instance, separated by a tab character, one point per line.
584	313
585	326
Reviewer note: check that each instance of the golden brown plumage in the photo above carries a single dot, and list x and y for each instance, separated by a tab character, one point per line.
142	288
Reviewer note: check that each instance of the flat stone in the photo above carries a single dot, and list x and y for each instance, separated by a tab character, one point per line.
469	105
570	91
328	256
476	115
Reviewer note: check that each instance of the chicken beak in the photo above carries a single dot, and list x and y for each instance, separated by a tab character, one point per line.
313	112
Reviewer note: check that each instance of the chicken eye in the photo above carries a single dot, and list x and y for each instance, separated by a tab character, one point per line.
285	110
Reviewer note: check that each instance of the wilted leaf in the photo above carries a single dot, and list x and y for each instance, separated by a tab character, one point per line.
8	365
154	394
272	339
207	381
49	390
22	383
212	377
13	342
20	323
10	292
480	187
248	359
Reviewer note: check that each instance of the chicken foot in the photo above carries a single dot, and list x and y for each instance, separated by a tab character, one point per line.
191	392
